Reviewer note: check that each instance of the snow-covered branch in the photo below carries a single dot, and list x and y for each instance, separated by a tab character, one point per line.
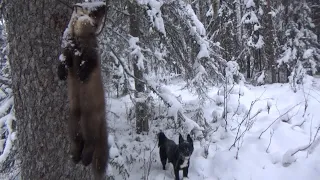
288	157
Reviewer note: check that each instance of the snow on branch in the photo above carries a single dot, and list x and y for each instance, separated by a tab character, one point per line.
200	70
250	4
5	106
154	12
279	118
250	18
6	120
175	108
198	32
286	57
136	51
195	21
116	160
288	158
4	80
196	29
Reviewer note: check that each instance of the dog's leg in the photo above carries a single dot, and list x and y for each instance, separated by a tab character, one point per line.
163	157
185	171
176	173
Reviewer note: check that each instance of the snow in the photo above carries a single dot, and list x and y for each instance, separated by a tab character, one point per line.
62	58
200	70
263	132
197	23
136	51
261	78
203	51
91	5
272	13
267	149
258	45
154	13
249	18
286	57
6	120
308	53
250	4
209	12
6	104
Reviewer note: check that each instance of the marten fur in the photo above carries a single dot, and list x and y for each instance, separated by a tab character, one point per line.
81	68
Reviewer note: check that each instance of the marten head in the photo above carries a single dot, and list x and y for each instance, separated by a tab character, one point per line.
88	21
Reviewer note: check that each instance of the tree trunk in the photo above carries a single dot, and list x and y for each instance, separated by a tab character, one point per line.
269	44
34	36
215	7
315	7
141	109
248	66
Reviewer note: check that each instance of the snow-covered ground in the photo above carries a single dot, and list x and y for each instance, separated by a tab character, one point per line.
289	125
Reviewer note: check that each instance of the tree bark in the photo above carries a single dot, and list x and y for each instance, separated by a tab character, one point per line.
269	44
141	108
34	36
215	7
315	7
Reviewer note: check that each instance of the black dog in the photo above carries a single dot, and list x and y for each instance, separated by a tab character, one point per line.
178	155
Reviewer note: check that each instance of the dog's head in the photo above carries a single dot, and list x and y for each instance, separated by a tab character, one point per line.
185	146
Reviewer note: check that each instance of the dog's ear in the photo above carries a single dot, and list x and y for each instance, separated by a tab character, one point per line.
189	139
180	139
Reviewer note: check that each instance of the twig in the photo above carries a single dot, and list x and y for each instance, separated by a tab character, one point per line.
271	135
306	147
278	119
243	120
5	81
306	102
66	4
105	17
116	115
235	112
179	113
311	129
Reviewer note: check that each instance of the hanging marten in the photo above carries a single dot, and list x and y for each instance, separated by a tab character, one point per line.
80	66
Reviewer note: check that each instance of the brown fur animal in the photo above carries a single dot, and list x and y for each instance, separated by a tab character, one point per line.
81	68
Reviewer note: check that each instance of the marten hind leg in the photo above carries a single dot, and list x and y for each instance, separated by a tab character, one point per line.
90	131
75	135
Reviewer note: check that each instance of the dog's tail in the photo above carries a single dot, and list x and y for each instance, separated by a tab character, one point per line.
162	139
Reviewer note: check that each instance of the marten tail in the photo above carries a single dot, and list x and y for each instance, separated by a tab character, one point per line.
101	156
162	139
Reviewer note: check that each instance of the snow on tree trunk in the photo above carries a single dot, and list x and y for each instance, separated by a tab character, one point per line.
34	36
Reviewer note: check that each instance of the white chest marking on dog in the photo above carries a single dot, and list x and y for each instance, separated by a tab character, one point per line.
185	162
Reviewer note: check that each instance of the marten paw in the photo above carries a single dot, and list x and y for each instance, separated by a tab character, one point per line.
62	72
87	155
83	76
83	73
